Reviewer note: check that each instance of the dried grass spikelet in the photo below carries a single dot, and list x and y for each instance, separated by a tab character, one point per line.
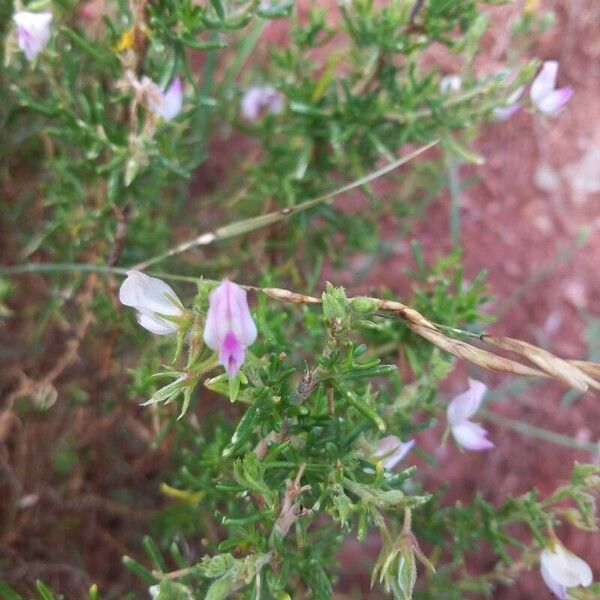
546	361
287	296
577	374
477	356
590	368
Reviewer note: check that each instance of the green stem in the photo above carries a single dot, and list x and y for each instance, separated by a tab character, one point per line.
538	432
254	223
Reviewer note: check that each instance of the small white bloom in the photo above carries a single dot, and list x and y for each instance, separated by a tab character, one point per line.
392	450
543	93
561	569
33	31
468	435
154	591
259	100
153	299
167	104
450	83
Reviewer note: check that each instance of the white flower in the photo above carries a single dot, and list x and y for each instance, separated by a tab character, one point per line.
153	300
450	83
33	31
154	591
543	93
561	569
165	104
259	100
468	435
392	450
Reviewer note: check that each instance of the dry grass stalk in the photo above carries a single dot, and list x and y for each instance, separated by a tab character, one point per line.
577	374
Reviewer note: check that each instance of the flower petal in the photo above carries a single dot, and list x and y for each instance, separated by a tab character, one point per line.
33	31
155	324
231	354
503	113
172	100
545	82
471	436
228	312
560	591
260	99
565	567
465	405
553	102
392	450
149	294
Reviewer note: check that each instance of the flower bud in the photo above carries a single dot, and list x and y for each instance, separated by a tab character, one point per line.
167	104
33	31
229	328
561	569
153	300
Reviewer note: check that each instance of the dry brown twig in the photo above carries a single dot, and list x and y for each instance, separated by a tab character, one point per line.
580	375
291	510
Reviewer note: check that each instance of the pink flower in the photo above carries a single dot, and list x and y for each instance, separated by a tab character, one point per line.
229	326
543	93
153	300
561	569
391	449
259	100
510	107
33	31
165	104
468	435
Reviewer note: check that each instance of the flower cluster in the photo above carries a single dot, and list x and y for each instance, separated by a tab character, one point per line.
543	93
229	327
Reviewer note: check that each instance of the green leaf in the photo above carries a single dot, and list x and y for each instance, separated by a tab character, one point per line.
218	8
219	589
7	593
43	591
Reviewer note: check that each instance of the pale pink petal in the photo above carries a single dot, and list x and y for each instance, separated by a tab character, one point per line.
33	31
259	100
465	405
231	354
545	81
392	450
554	101
471	436
229	327
172	100
560	591
503	113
